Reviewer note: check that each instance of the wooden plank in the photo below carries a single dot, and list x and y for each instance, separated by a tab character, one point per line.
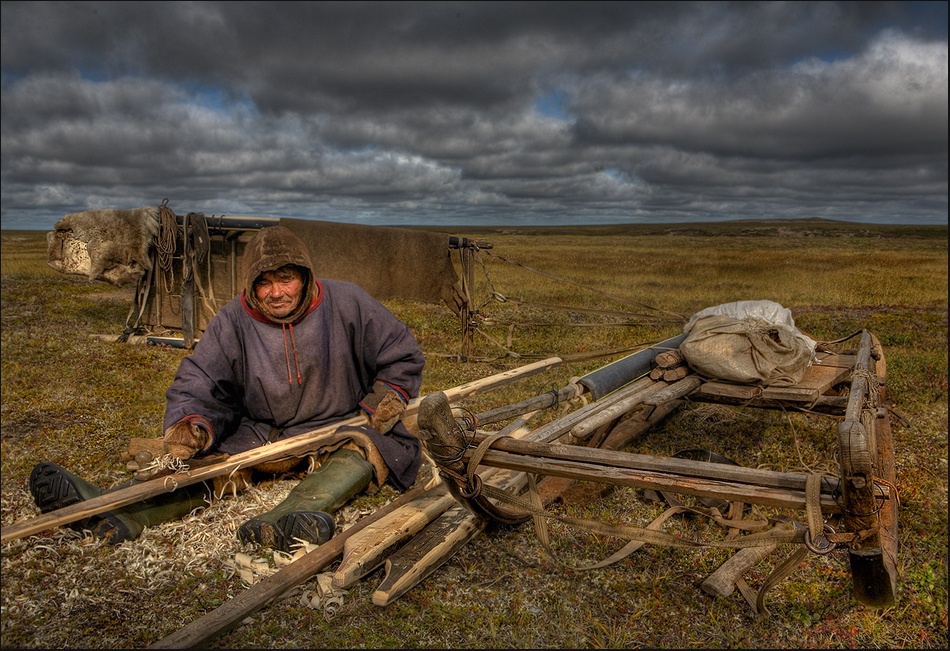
730	491
717	389
845	360
790	394
422	555
818	378
439	541
534	452
367	550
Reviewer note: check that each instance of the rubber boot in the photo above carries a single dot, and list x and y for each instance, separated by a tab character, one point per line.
53	487
305	512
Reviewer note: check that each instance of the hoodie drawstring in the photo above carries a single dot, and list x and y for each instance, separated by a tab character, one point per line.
284	327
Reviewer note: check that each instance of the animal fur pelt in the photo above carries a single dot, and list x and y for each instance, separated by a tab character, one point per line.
110	245
387	262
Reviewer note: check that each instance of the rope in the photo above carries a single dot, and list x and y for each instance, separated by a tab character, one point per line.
167	236
200	250
165	244
495	295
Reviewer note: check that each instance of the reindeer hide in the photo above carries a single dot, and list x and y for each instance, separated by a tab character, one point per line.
110	245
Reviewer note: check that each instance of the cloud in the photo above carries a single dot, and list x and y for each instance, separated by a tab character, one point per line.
476	112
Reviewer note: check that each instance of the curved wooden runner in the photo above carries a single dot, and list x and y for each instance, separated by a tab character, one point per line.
866	454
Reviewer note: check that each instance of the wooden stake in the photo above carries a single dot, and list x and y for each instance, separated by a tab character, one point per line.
722	582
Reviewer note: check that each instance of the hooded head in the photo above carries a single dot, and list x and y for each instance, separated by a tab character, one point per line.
270	249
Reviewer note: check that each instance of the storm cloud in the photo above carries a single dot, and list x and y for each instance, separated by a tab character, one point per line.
472	113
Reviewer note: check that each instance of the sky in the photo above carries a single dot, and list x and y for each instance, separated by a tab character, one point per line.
476	113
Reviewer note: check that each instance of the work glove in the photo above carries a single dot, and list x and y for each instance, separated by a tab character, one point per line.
384	406
187	437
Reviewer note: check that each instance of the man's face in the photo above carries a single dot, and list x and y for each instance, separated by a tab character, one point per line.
278	292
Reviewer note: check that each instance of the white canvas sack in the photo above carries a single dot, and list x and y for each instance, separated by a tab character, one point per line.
750	342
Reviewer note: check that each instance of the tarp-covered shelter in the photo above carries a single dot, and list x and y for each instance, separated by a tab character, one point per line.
186	267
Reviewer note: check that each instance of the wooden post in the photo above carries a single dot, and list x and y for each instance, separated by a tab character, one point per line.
187	286
468	310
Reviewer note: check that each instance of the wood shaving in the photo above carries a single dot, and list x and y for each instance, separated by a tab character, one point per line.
325	597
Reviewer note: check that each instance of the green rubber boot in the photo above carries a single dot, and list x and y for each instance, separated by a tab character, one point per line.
305	512
53	487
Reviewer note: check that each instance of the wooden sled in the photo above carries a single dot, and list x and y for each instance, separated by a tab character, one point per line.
862	499
586	444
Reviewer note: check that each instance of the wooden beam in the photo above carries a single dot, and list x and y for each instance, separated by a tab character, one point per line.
424	554
367	550
676	468
731	491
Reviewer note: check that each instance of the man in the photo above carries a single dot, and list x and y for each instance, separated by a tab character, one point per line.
291	353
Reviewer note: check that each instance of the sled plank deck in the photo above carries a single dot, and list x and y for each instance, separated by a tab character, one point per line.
827	371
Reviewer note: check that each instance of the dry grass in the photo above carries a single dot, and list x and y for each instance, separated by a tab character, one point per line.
74	400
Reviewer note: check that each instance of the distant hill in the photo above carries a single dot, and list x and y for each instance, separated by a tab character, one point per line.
810	227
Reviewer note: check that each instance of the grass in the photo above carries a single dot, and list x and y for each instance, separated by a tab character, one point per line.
570	292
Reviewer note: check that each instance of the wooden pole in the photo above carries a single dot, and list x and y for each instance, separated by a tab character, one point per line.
468	309
294	446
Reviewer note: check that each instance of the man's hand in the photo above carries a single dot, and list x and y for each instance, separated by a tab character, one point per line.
384	406
187	437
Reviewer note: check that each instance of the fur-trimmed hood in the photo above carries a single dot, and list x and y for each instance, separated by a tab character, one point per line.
270	249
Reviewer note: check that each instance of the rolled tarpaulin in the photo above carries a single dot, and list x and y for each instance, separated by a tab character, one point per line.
611	377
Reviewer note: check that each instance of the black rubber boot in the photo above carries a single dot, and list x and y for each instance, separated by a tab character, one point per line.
53	487
305	514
